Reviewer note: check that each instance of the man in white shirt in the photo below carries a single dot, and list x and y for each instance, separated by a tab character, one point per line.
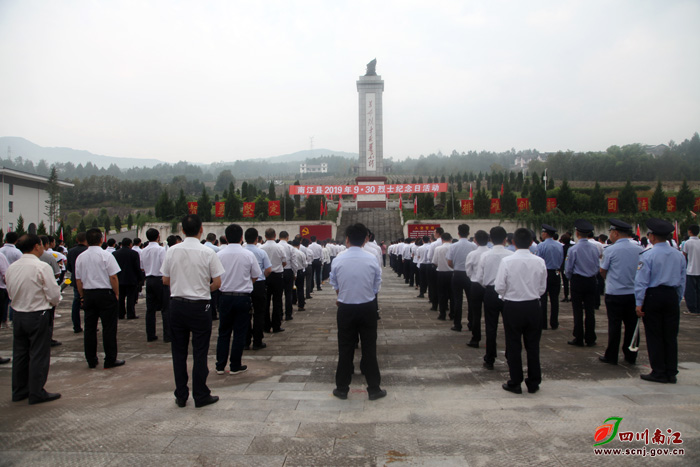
521	280
192	271
691	250
287	275
300	274
423	266
317	252
309	274
9	249
432	270
96	275
33	290
274	282
444	277
476	290
241	270
461	284
152	258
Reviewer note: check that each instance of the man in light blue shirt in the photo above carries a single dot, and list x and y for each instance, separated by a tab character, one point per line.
456	259
618	269
552	252
356	278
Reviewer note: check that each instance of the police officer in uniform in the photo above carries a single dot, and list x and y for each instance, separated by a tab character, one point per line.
618	269
658	288
552	252
582	266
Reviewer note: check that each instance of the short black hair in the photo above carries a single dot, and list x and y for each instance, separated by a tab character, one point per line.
152	234
234	233
284	234
481	238
463	230
223	241
191	225
356	234
270	233
295	242
446	237
27	242
126	242
498	235
110	242
137	241
81	237
44	240
171	240
251	235
522	238
211	237
439	231
426	239
694	229
11	237
313	238
305	241
94	237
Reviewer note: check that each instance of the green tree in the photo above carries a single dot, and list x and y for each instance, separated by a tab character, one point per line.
271	191
117	223
598	203
232	209
164	207
538	198
287	207
509	203
297	199
658	199
20	226
224	179
565	198
180	206
107	224
685	199
82	227
53	202
95	223
628	199
244	191
204	206
482	203
261	208
41	230
129	221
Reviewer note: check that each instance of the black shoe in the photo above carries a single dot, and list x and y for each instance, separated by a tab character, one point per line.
268	331
309	297
473	343
544	328
215	318
576	343
247	347
167	341
50	396
115	364
533	389
241	369
654	379
4	360
151	339
554	328
77	331
606	360
301	308
631	362
319	289
591	344
433	309
181	402
288	318
208	401
377	395
258	347
343	395
455	328
442	318
132	317
55	343
275	331
420	296
672	380
92	364
488	366
514	389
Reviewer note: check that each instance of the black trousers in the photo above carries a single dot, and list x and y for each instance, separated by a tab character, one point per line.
621	309
102	305
423	278
433	286
154	303
565	283
661	318
31	354
317	266
234	318
325	271
275	284
444	279
357	321
407	271
493	307
309	280
190	319
553	287
521	321
583	294
127	301
213	304
476	300
460	285
288	287
399	265
259	299
299	283
75	310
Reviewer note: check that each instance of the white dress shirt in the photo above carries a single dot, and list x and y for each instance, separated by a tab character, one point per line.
287	251
31	285
275	253
375	251
356	276
692	250
152	259
487	268
299	260
472	261
316	250
308	253
431	249
521	277
94	266
458	253
440	258
240	269
11	252
4	264
190	267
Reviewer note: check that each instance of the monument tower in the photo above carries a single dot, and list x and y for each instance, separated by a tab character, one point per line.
371	170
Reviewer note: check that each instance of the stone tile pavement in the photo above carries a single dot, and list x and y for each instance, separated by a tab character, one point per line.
443	408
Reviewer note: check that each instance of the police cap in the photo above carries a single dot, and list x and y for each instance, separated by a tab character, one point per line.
659	227
549	229
583	226
617	224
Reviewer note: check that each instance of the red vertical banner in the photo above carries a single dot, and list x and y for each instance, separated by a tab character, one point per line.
248	209
415	206
400	202
523	204
467	207
219	208
273	208
696	205
643	204
612	205
338	208
671	204
192	207
551	204
495	206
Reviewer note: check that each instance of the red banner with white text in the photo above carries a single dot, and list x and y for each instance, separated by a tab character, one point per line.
367	189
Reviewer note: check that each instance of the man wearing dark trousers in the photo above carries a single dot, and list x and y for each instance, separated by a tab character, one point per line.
259	293
287	274
432	270
300	272
96	274
309	274
476	292
274	282
317	252
240	272
73	253
444	277
192	271
521	280
130	264
152	258
552	252
33	291
356	278
457	259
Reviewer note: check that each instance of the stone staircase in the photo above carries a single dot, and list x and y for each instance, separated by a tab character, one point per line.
386	225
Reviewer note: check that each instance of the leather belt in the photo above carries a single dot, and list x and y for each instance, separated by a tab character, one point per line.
235	294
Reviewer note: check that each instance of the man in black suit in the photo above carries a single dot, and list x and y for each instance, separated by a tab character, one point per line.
130	263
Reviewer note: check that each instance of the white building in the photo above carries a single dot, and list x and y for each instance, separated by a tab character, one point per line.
24	193
306	168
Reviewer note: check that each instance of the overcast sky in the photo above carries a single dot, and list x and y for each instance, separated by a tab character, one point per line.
225	80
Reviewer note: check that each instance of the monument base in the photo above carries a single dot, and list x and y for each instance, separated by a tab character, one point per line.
377	201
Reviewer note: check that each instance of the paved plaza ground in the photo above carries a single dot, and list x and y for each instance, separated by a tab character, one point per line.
442	408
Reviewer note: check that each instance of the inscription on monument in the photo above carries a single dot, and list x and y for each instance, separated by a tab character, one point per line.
370	142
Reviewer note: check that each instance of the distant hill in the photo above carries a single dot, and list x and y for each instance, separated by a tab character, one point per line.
28	150
300	156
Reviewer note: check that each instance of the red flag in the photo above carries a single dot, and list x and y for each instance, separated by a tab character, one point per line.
273	208
501	189
415	206
338	208
435	194
192	207
467	207
248	209
470	191
639	233
675	232
60	237
219	208
400	202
